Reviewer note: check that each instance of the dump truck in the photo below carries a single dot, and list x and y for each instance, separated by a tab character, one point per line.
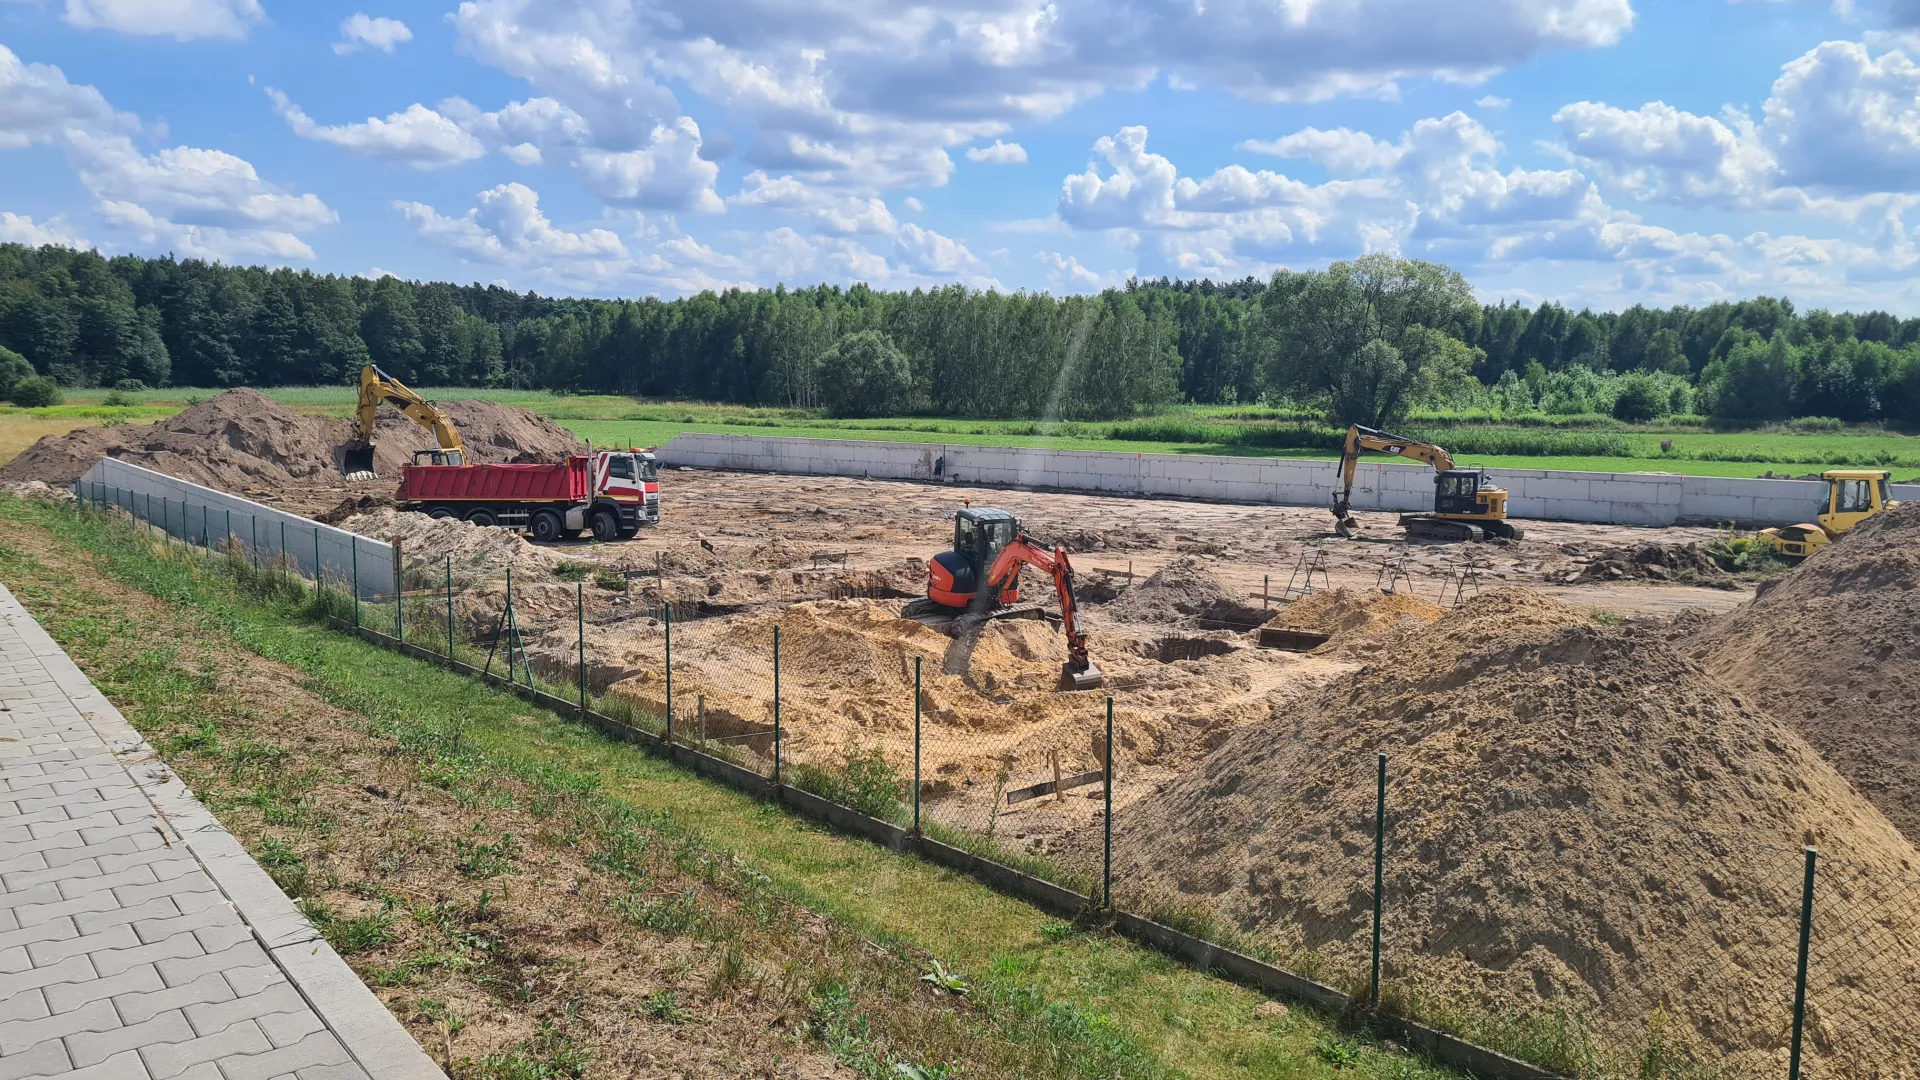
610	494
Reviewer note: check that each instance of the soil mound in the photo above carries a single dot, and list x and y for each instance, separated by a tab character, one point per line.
1348	614
247	443
477	551
1683	563
1183	591
1834	648
1580	819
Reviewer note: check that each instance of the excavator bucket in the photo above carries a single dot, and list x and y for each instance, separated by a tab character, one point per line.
1087	678
357	462
1347	527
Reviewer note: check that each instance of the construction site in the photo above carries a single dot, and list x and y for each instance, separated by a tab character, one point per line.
1605	747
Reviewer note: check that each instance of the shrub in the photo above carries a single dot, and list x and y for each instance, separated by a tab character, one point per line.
117	399
13	368
1815	423
1638	401
130	386
35	392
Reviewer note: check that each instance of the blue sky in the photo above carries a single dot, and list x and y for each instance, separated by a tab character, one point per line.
1597	152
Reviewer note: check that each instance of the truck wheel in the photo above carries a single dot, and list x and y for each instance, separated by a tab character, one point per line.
546	527
441	513
606	527
483	517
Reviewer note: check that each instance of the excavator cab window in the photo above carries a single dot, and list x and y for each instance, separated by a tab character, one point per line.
437	457
982	537
1459	492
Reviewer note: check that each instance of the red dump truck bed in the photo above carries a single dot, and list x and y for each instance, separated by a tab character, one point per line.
567	482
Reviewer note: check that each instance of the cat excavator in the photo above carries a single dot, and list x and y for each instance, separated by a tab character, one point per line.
377	386
1466	504
980	577
1853	496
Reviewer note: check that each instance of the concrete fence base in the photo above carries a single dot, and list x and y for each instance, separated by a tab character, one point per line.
1627	498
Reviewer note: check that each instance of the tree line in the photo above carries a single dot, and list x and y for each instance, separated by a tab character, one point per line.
1368	340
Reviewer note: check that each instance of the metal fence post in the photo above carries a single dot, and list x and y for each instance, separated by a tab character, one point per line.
449	606
916	746
286	567
399	587
669	624
354	546
228	540
776	705
319	577
1106	846
580	611
506	622
1379	875
253	539
1800	971
206	537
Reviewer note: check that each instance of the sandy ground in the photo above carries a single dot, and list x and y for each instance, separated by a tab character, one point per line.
739	553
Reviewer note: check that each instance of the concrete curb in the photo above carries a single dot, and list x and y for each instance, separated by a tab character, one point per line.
377	1041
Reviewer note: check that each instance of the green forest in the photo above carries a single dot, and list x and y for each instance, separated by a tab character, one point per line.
1367	341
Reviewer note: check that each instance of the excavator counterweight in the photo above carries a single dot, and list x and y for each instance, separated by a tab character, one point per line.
377	386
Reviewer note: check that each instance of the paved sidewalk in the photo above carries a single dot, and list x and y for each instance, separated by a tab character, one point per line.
138	940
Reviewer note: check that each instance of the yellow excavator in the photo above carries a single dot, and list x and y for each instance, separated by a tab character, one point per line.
377	386
1466	504
1853	496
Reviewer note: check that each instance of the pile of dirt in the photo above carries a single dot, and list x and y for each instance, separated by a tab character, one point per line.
1834	648
477	551
1685	563
1184	591
1580	819
35	489
247	443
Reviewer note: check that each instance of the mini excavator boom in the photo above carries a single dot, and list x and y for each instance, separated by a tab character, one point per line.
981	575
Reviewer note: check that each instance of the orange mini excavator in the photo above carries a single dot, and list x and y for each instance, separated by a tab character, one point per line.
981	576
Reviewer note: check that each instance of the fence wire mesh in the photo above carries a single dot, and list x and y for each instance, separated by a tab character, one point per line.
1560	948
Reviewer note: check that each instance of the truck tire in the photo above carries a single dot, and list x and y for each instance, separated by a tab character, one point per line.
441	512
546	527
483	516
606	527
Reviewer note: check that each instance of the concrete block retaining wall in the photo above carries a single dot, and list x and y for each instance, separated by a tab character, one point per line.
191	512
1543	495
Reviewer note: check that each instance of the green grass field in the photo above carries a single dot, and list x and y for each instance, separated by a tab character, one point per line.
1587	444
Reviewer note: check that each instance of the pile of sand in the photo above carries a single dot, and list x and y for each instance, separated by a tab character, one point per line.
1183	591
1649	561
246	442
1350	616
1580	819
1834	649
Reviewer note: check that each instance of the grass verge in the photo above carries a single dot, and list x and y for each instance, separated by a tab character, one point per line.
1043	999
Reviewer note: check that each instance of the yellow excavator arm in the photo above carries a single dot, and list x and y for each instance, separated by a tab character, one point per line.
1365	438
377	386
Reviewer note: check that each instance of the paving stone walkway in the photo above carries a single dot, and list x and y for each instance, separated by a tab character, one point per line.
138	939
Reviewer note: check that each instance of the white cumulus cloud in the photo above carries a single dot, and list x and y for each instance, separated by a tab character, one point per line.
416	136
37	104
507	226
1000	153
21	229
182	20
361	31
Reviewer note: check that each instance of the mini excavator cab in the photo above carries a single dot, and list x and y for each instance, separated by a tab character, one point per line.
979	535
